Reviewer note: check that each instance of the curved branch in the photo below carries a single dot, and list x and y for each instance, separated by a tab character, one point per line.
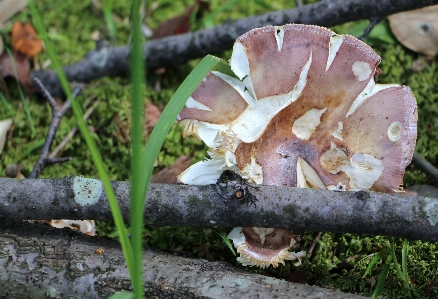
175	50
426	167
297	209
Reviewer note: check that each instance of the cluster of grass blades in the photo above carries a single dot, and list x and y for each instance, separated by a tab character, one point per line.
387	257
142	160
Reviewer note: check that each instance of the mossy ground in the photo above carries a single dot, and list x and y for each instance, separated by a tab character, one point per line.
339	261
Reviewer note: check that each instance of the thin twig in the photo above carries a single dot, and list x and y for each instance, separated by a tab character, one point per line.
312	246
424	165
58	111
367	31
72	133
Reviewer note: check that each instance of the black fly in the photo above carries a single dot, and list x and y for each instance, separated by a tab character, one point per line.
240	188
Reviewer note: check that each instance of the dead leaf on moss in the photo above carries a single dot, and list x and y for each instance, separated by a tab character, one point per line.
8	8
21	63
417	29
153	113
25	40
180	24
169	174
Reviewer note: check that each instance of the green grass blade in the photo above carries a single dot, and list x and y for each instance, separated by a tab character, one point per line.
26	108
227	241
142	171
7	105
382	277
112	201
137	108
396	264
405	260
109	20
168	117
379	256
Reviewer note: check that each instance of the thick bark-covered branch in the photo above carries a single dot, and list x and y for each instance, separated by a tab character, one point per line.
38	261
297	209
174	50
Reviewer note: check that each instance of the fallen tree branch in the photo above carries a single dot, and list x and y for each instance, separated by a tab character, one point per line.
175	50
298	209
59	263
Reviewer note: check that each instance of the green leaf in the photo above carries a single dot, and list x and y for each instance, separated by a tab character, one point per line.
379	256
227	241
382	277
169	115
97	158
405	261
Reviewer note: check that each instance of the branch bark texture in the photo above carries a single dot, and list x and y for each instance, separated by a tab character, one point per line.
38	261
297	209
174	50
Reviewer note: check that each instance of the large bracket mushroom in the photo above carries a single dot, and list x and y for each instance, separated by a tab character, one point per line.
305	111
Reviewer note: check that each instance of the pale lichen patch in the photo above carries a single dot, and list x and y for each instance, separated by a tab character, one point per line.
394	131
431	210
361	70
87	191
306	124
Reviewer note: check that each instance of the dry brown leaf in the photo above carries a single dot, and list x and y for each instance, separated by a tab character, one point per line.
152	115
180	24
21	63
25	40
417	29
8	8
169	174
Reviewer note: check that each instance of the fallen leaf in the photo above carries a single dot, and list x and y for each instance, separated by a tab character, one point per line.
21	63
169	174
4	127
180	24
417	29
25	40
152	115
8	8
